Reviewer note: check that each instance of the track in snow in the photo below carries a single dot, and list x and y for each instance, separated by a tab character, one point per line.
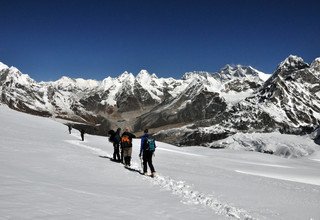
179	188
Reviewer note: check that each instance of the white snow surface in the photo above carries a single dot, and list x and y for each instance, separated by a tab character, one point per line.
68	83
264	76
233	97
48	174
3	66
284	145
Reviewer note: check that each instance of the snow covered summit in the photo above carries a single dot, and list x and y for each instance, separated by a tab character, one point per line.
3	66
292	63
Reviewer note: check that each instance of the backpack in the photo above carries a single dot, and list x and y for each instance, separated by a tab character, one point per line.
112	136
151	144
117	138
125	141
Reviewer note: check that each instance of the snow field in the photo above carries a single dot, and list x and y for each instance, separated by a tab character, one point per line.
179	188
47	173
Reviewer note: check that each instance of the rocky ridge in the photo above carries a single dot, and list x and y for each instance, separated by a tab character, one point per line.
195	110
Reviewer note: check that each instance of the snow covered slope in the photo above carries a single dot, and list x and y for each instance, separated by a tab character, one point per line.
292	90
287	102
47	173
204	96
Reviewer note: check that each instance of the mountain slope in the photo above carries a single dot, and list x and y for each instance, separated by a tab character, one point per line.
205	96
47	173
293	90
288	101
235	99
118	101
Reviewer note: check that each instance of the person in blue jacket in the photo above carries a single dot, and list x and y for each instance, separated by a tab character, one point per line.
147	149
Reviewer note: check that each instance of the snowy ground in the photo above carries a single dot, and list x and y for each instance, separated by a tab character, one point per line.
283	145
45	173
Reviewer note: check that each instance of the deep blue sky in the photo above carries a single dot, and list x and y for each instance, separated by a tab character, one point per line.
94	39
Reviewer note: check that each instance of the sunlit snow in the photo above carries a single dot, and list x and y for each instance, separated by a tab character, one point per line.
47	173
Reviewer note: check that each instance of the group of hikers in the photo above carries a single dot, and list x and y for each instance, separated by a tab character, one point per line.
123	142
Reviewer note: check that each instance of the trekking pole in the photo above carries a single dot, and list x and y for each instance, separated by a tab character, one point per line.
141	164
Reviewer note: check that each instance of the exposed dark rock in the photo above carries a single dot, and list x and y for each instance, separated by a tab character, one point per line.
288	101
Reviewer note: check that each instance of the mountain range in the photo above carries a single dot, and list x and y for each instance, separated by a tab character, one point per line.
195	110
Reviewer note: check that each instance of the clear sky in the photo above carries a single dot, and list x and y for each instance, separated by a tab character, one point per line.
94	39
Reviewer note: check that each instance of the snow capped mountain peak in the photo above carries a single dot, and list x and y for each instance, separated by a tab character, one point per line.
143	72
14	75
233	68
228	67
263	76
107	83
317	60
125	76
292	62
238	71
180	99
69	83
143	75
196	75
14	70
65	79
291	59
316	64
87	83
188	75
154	76
3	66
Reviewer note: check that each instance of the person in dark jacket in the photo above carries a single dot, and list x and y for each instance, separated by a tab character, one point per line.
126	146
82	131
116	145
146	152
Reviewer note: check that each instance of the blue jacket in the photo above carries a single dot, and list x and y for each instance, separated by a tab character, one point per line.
143	145
144	139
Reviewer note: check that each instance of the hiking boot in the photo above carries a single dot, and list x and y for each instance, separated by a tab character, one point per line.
153	174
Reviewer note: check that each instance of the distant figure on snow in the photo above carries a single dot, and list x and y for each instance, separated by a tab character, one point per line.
147	148
126	146
115	139
115	142
69	128
82	134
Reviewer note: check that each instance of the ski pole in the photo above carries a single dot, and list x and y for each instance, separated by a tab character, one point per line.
141	164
